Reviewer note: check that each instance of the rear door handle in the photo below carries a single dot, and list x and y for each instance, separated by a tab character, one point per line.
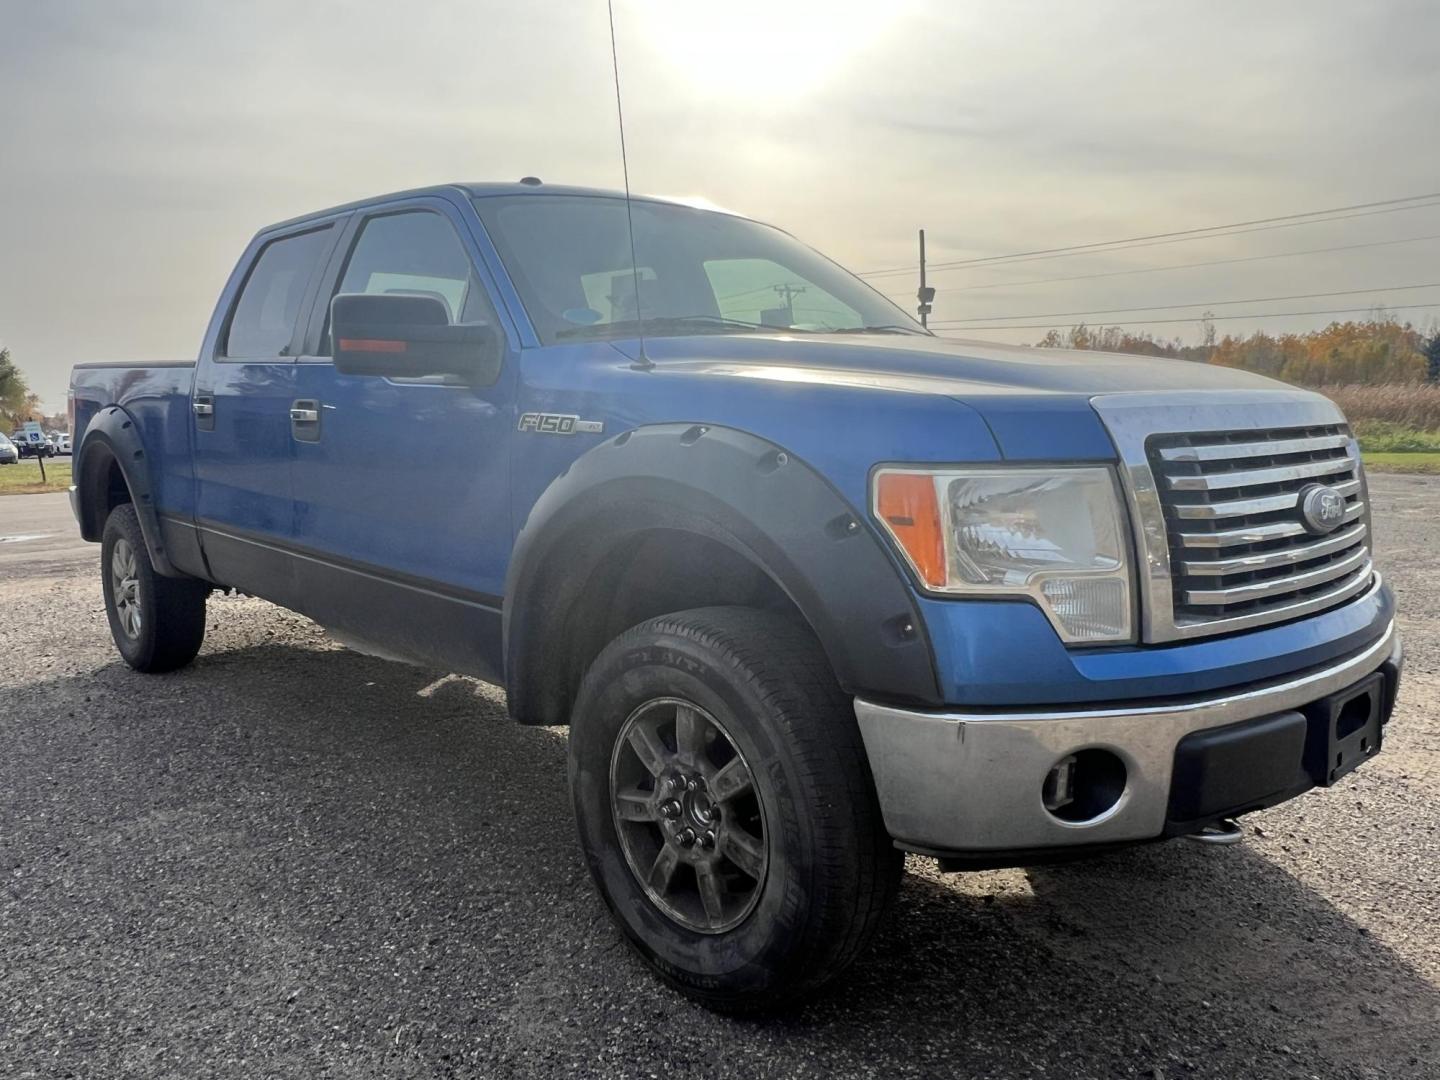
203	406
305	420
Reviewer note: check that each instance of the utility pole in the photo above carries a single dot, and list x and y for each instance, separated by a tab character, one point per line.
926	295
787	293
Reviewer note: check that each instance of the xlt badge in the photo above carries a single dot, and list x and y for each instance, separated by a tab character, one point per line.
550	423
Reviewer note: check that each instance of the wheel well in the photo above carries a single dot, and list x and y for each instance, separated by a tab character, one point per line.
656	572
102	488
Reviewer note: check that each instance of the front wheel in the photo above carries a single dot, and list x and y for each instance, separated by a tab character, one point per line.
725	806
157	622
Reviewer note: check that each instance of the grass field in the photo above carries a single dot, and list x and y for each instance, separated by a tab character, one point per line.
23	478
1427	462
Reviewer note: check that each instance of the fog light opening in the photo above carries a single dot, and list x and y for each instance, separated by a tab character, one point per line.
1082	786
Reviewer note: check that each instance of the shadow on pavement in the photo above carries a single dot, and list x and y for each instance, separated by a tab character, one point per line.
290	860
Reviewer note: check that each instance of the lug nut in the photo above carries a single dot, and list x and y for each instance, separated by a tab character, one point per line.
674	784
707	840
687	838
690	785
670	809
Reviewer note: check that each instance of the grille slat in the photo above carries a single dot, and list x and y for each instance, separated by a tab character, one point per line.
1245	507
1275	474
1238	545
1285	556
1222	451
1256	534
1259	590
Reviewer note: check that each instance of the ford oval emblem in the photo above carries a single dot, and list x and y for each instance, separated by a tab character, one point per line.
1322	509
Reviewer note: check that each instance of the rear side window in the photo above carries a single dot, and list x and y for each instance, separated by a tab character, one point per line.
265	314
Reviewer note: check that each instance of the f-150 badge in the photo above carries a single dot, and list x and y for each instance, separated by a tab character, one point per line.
549	423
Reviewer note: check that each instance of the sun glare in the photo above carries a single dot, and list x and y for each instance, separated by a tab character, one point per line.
757	49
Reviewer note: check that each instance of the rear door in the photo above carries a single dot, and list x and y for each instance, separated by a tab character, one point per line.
402	485
244	388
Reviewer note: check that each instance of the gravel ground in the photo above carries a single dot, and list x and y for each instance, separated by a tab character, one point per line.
292	860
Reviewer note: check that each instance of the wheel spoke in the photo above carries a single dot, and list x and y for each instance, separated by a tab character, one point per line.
634	805
645	741
712	893
689	735
746	852
731	781
664	868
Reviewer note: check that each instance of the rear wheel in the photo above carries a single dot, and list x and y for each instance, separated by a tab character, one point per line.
725	806
157	622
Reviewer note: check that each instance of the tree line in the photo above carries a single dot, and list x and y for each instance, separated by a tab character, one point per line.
1377	350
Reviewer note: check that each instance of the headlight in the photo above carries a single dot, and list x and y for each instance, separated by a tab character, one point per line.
1054	535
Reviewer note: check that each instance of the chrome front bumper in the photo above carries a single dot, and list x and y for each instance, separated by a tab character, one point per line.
972	781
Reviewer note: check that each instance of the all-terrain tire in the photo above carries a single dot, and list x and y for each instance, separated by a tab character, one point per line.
157	622
763	681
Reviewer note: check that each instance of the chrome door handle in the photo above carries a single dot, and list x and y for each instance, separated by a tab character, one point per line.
203	408
305	416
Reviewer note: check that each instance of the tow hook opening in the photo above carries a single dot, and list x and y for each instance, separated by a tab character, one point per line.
1082	786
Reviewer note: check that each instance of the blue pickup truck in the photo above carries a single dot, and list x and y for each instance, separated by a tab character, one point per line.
810	586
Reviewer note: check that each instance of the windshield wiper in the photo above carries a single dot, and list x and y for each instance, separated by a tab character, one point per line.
883	328
705	324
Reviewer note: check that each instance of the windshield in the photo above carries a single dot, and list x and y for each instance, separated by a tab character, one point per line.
699	272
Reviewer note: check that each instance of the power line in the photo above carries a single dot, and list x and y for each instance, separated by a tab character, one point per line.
1198	303
1199	318
1337	213
1184	266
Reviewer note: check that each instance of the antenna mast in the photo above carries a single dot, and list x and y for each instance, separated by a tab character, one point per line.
643	361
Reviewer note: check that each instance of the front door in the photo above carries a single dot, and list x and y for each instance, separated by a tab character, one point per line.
402	485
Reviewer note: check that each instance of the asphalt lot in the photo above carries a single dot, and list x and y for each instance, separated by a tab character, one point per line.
293	860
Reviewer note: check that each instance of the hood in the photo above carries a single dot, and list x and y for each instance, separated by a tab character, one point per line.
971	370
1035	402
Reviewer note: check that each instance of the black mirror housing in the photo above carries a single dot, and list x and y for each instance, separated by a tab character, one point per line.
404	336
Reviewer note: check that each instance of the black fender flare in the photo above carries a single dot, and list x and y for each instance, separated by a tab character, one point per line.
759	500
113	436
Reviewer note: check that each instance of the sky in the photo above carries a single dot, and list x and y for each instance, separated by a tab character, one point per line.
142	142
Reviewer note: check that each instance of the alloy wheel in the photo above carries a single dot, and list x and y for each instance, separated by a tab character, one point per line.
688	816
125	587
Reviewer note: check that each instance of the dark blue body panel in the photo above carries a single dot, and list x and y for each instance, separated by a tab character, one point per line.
432	484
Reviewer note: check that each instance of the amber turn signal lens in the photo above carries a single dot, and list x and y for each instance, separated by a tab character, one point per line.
907	504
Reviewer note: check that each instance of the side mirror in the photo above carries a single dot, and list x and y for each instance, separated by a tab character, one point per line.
409	336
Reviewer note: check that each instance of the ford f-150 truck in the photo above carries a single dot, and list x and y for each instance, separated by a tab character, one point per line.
810	586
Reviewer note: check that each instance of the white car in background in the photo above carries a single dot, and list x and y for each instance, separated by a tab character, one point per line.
9	452
61	442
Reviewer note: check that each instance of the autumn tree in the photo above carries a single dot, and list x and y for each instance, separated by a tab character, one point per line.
1373	351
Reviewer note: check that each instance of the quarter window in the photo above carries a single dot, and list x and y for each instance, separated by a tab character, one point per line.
263	322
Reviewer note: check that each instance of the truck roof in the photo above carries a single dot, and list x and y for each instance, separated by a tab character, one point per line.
482	189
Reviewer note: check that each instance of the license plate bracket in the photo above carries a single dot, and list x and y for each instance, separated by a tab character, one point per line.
1346	730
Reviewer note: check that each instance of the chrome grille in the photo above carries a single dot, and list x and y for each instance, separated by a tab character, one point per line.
1238	548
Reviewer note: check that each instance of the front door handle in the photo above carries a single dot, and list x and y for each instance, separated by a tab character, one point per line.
305	420
204	408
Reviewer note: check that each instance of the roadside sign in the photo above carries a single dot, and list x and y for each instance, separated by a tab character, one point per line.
32	431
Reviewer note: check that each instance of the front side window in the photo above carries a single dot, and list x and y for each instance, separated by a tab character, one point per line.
415	253
699	272
263	321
